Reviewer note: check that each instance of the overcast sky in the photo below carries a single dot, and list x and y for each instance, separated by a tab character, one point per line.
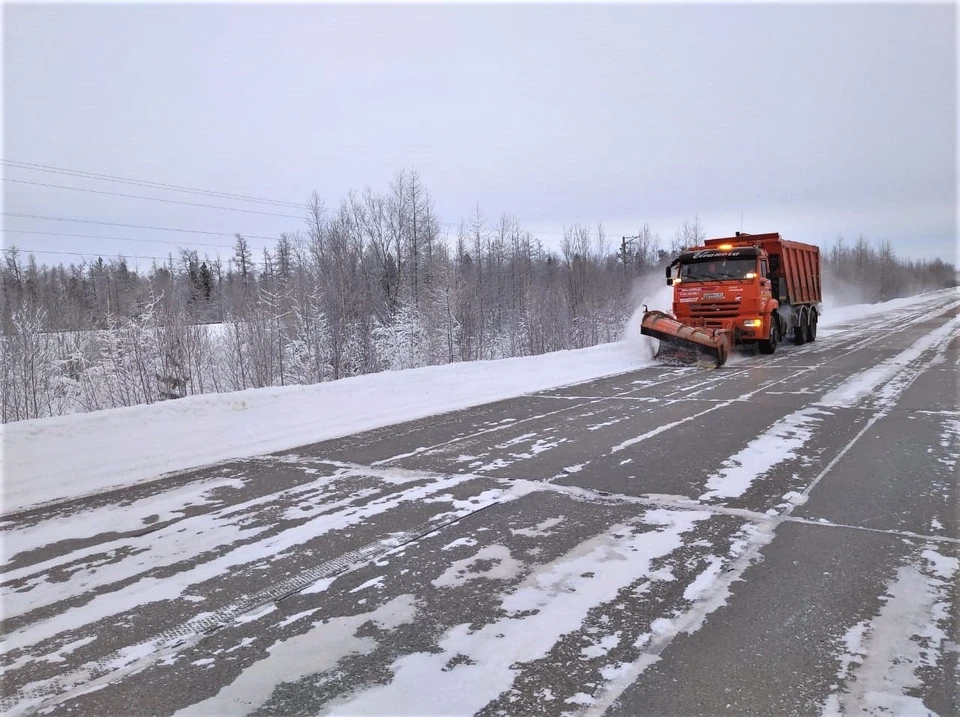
811	120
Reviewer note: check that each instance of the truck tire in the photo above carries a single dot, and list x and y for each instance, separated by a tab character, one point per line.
770	345
812	334
800	332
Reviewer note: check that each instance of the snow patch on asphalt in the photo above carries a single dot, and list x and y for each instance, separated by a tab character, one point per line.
949	441
298	657
113	518
540	610
541	530
199	539
705	580
602	647
794	498
711	592
101	565
661	429
296	617
895	372
493	562
458	542
884	654
376	582
783	441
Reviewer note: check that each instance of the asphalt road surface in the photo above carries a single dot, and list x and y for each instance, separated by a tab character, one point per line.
779	536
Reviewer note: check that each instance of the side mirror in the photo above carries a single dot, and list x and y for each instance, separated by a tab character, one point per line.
668	273
669	281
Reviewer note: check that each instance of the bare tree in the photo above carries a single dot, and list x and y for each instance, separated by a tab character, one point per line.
373	285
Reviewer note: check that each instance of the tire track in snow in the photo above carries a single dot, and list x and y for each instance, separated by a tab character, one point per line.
586	401
137	657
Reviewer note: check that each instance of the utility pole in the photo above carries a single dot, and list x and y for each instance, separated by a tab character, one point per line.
624	243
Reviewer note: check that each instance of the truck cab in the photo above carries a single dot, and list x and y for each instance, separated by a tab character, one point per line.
744	289
724	287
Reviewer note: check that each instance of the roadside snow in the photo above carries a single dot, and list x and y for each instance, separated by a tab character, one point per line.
67	456
837	315
51	459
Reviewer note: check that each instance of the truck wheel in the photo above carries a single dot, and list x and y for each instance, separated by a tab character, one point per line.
770	345
812	334
800	330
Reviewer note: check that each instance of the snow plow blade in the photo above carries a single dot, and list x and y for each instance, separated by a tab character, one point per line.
683	345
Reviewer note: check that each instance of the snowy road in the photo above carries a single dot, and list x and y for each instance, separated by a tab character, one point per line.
777	537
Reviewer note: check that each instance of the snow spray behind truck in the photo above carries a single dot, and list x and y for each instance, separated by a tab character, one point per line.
739	290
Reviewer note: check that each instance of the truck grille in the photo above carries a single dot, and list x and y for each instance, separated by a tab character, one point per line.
715	309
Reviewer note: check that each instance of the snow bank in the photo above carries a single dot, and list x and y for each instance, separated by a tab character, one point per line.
54	458
837	315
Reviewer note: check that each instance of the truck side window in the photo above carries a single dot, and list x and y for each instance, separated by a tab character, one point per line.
763	269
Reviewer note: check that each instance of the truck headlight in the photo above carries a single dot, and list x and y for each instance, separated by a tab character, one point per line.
752	322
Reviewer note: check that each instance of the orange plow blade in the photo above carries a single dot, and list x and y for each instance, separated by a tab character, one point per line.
684	345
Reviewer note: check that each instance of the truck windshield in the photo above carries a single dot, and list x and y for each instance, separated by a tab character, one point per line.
717	269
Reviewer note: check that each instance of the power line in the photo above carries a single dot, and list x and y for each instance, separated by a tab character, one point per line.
42	217
94	236
150	199
20	215
31	166
96	256
133	226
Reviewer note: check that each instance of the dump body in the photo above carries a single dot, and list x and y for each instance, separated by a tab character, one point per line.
797	264
739	290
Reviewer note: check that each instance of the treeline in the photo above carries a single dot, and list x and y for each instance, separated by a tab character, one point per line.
376	283
859	272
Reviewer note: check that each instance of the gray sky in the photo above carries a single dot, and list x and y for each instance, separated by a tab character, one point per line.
811	120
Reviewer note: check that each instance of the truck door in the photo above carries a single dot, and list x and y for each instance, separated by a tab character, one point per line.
765	285
778	284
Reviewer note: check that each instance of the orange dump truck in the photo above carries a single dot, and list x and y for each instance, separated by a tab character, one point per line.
739	290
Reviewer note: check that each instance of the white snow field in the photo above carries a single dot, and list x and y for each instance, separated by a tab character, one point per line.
51	459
